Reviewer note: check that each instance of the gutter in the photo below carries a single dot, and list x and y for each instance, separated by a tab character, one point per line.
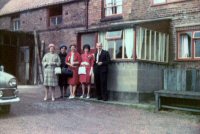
122	24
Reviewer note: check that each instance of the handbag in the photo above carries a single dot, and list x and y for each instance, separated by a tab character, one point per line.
57	70
67	72
81	70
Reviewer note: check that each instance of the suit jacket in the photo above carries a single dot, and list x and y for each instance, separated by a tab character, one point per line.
104	57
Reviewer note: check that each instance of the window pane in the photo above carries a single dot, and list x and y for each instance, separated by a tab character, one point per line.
197	34
111	48
119	49
59	20
109	3
108	11
118	2
114	35
88	39
159	1
119	9
197	48
185	45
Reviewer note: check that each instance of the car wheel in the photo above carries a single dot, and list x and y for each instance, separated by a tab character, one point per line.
5	109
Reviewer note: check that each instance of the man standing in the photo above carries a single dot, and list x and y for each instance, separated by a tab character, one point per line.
102	59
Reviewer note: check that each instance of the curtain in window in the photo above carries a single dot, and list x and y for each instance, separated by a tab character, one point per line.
140	39
129	42
103	40
184	46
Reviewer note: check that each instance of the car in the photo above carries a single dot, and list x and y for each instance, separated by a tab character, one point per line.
8	91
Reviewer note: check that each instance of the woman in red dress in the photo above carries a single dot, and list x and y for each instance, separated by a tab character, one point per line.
87	61
73	60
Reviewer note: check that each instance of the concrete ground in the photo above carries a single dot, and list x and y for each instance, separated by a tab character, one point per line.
34	116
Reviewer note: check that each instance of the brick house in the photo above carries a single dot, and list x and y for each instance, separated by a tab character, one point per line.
143	37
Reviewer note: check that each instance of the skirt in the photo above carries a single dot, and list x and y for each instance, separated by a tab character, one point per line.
50	78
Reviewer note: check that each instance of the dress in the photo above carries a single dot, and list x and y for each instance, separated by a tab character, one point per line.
50	78
74	57
89	59
62	80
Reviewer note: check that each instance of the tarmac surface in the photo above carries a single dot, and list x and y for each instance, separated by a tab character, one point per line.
32	115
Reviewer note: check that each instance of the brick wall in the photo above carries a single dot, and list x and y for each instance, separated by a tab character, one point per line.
5	23
36	19
74	14
65	36
94	12
142	9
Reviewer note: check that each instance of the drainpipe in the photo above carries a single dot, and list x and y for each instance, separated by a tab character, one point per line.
86	18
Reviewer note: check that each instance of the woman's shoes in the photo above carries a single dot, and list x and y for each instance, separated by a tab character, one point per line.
81	96
53	99
45	98
71	97
88	97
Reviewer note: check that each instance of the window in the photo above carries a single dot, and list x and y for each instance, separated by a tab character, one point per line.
55	20
155	2
152	45
119	44
112	7
55	15
189	45
15	24
90	39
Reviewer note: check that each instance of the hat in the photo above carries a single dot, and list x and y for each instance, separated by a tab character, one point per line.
51	45
63	46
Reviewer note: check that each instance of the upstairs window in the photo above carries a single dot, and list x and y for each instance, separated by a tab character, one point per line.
55	15
189	45
112	7
16	23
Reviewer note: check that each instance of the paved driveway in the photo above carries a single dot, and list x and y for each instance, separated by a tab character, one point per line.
34	116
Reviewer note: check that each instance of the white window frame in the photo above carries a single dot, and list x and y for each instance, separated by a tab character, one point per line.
113	6
56	20
193	39
16	24
164	2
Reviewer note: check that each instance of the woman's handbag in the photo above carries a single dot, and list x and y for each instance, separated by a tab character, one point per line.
81	70
57	70
67	72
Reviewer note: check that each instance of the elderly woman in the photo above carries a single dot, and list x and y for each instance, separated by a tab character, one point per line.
87	61
73	60
49	62
62	80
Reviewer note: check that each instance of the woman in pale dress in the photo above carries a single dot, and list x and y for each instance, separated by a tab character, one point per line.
49	62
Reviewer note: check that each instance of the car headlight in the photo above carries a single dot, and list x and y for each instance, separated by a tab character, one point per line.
1	93
13	82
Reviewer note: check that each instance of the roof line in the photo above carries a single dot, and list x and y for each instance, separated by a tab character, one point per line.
38	7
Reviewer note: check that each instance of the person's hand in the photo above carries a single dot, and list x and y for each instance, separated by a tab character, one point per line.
100	63
51	63
91	71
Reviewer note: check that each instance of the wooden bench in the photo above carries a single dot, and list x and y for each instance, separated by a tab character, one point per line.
179	100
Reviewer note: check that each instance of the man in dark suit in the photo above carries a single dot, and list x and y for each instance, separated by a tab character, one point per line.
102	59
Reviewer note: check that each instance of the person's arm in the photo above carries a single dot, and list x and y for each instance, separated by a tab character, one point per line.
58	63
78	59
44	61
67	59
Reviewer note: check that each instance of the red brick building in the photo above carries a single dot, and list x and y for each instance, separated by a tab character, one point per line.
143	37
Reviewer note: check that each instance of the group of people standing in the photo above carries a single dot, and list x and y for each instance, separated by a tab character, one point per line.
82	66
